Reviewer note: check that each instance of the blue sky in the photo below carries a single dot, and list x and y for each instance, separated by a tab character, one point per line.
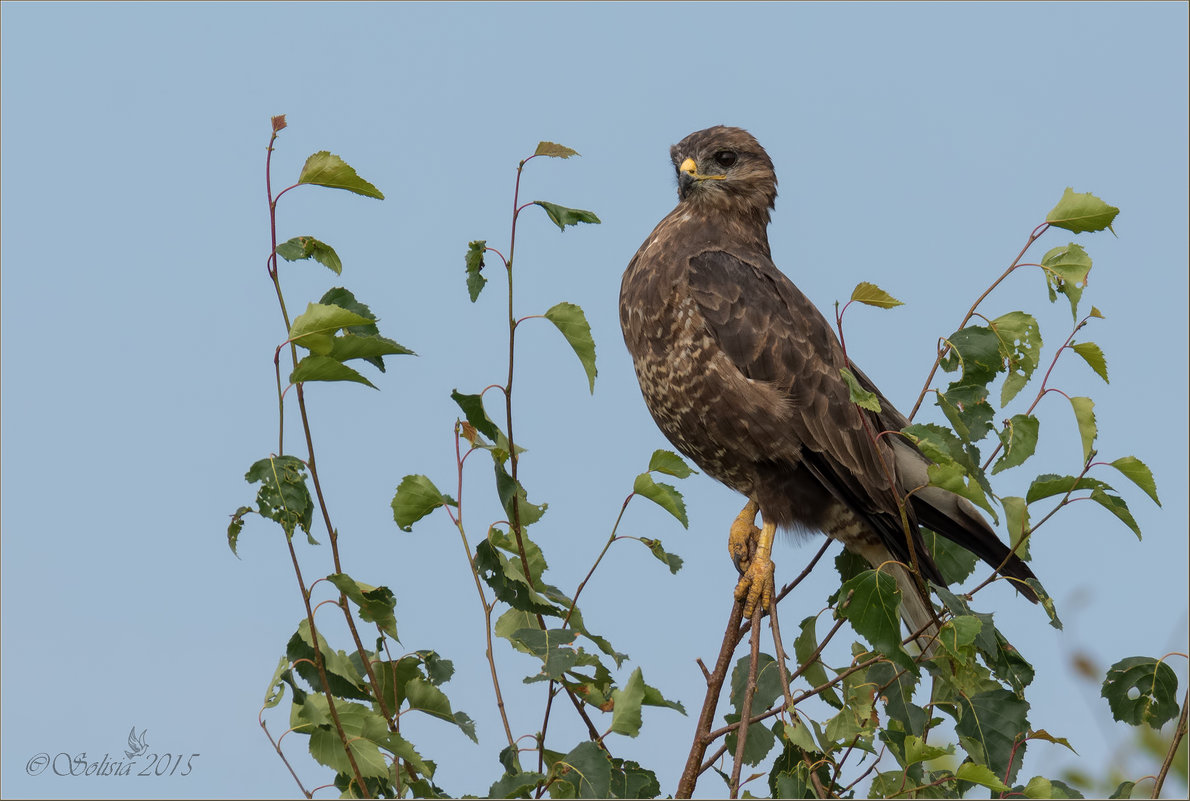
916	147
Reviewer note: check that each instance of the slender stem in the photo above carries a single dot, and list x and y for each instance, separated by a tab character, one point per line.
1033	237
1178	734
483	601
746	710
280	753
702	737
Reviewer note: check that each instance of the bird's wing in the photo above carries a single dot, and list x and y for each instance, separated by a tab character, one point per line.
774	334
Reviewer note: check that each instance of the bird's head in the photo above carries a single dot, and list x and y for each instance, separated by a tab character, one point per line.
725	169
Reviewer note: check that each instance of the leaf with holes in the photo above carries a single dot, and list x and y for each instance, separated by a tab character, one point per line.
1141	689
307	247
1020	441
474	261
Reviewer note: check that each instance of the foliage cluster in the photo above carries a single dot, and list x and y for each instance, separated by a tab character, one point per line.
349	703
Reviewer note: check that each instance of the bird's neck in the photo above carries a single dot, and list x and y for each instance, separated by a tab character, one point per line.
698	223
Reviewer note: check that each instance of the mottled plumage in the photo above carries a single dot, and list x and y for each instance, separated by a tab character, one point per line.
741	373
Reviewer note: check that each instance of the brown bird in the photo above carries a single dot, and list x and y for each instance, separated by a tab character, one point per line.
742	374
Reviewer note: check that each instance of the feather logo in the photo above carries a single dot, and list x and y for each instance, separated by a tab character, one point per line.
136	745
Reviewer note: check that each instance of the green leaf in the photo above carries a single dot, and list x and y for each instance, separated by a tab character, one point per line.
537	564
554	150
1139	474
626	712
805	645
415	498
306	247
1117	507
1123	791
425	697
977	350
1048	485
664	495
474	259
587	769
376	604
630	780
325	368
1081	211
760	740
1041	787
990	724
522	512
327	169
1020	441
515	785
1016	517
511	623
350	346
283	496
953	478
1066	269
1087	430
550	647
507	583
791	774
872	295
236	526
477	416
1020	345
1141	689
968	410
1042	734
1093	356
345	680
563	216
314	328
276	685
328	749
981	775
670	464
859	396
768	682
571	321
870	602
954	561
672	561
958	634
896	689
338	296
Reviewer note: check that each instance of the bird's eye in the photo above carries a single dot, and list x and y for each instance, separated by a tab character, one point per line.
725	158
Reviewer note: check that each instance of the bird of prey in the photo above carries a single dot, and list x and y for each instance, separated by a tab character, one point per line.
742	374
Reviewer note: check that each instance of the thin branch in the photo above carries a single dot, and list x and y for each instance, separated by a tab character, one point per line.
1178	734
702	739
1033	237
746	707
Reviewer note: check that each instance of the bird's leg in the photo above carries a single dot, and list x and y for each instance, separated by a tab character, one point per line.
757	583
741	542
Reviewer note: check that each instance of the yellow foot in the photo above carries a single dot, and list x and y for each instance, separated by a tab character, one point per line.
757	583
741	542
